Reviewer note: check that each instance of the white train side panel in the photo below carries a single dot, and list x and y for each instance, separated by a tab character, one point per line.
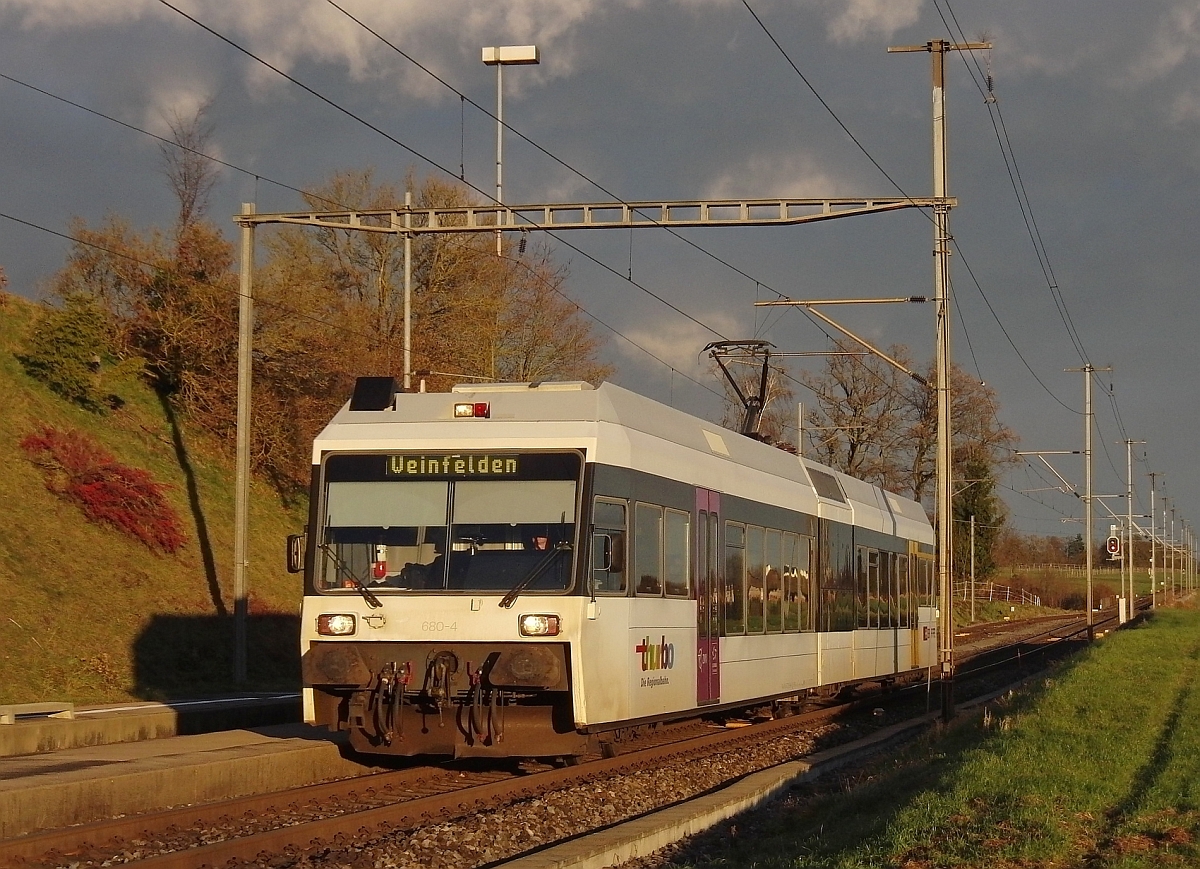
412	645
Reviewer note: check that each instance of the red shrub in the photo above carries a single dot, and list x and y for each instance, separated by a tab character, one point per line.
109	493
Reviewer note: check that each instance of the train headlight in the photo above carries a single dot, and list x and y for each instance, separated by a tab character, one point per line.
540	625
336	624
473	410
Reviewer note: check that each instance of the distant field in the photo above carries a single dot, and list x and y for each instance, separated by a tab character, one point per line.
1094	765
1059	587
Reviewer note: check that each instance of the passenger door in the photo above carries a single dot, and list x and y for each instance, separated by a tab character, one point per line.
708	609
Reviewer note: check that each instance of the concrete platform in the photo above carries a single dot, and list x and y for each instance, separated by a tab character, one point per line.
133	722
52	789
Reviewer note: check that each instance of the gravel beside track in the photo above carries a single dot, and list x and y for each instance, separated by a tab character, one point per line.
516	829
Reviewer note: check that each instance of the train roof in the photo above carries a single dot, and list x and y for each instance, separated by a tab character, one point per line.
622	428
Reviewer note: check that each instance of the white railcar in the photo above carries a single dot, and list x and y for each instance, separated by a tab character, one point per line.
526	569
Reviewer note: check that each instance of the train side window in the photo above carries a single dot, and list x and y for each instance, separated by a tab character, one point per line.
734	597
864	593
878	569
791	601
898	603
797	583
904	591
678	540
608	546
773	576
648	549
887	593
754	579
837	582
933	582
805	593
877	599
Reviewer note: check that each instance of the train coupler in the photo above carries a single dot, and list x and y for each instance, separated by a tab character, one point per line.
439	674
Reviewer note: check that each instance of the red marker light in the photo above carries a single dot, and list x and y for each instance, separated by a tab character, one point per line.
482	410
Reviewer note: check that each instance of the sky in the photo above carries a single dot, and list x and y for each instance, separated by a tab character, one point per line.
1077	174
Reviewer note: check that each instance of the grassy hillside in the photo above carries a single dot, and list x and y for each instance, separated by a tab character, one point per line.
91	615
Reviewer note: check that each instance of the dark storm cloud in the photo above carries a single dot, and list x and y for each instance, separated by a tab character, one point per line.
681	100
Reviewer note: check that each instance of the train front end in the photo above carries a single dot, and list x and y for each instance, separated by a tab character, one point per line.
441	607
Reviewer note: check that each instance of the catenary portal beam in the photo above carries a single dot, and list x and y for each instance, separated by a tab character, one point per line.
601	215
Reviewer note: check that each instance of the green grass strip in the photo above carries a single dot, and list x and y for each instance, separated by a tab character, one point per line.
1097	766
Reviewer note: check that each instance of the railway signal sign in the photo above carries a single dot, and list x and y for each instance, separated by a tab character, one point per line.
1113	546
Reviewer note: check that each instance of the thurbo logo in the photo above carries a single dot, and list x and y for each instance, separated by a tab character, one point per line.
656	656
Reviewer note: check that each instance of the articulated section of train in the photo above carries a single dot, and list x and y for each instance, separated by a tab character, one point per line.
525	570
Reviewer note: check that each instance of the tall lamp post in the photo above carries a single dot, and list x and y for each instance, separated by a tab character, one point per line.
501	56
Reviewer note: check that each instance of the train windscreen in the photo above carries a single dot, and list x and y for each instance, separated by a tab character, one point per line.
448	522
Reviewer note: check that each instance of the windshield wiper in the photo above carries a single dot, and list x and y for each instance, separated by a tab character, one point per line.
538	569
340	566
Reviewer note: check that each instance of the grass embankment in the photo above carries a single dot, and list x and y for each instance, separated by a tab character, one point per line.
91	615
996	611
1095	766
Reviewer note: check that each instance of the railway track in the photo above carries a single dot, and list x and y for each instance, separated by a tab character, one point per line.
381	806
462	815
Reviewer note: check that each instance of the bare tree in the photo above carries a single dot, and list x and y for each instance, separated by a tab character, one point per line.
540	332
474	314
978	433
863	413
190	172
882	424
